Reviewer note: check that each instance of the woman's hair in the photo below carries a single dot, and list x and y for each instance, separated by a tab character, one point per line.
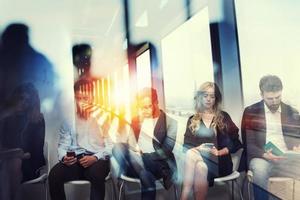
33	109
199	107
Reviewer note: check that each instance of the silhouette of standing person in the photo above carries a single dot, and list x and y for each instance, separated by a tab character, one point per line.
24	128
20	63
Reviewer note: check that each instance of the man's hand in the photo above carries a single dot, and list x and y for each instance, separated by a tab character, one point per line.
69	160
296	148
87	161
270	156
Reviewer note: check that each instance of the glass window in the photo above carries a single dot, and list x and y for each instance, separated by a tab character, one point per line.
143	70
269	44
187	62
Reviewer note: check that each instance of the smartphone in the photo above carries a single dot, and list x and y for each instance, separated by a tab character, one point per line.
209	145
71	154
80	156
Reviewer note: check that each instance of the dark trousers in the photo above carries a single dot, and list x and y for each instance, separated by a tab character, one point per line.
96	174
148	172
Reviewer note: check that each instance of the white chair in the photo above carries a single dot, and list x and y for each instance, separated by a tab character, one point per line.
123	178
43	171
233	177
85	191
6	155
250	181
274	195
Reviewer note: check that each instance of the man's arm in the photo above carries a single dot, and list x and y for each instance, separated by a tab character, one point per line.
170	140
292	130
249	135
106	150
64	141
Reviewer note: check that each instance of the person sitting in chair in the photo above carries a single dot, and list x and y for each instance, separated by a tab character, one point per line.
146	153
83	153
210	137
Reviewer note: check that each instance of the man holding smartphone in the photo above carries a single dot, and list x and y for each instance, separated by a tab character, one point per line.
83	151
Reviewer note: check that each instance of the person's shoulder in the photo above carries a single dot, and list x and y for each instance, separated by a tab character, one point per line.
65	126
225	115
254	107
289	108
190	118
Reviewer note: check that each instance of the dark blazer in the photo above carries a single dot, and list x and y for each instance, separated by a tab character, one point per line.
165	131
226	137
253	129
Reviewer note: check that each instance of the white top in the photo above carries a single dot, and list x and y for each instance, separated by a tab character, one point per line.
146	135
274	128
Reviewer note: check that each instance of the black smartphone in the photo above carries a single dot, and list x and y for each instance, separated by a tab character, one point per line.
71	153
80	156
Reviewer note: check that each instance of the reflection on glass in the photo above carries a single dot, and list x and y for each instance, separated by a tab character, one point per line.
143	70
187	62
269	44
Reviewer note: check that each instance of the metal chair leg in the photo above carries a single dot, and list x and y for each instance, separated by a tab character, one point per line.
239	188
175	192
45	188
249	190
121	189
114	189
232	190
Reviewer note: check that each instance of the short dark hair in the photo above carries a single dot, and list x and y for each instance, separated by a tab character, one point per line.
270	83
82	54
148	92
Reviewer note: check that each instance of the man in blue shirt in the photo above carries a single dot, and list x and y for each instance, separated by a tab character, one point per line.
83	151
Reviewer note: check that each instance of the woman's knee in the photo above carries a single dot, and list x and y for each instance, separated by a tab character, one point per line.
201	169
193	155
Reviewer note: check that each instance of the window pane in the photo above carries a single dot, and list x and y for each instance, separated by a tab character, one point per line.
269	44
187	61
143	70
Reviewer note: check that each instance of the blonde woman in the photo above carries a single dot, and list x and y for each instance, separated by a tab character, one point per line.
210	137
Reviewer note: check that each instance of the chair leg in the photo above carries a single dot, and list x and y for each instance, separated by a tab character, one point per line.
232	190
175	192
249	190
114	189
121	189
46	190
240	190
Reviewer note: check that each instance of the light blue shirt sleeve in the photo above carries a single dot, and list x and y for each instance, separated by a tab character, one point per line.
107	150
65	140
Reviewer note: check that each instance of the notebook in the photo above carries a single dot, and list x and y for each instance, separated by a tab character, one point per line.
274	149
277	152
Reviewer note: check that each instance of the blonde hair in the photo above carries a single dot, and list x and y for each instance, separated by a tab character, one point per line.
199	108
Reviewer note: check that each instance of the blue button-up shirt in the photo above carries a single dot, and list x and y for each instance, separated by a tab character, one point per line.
87	137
